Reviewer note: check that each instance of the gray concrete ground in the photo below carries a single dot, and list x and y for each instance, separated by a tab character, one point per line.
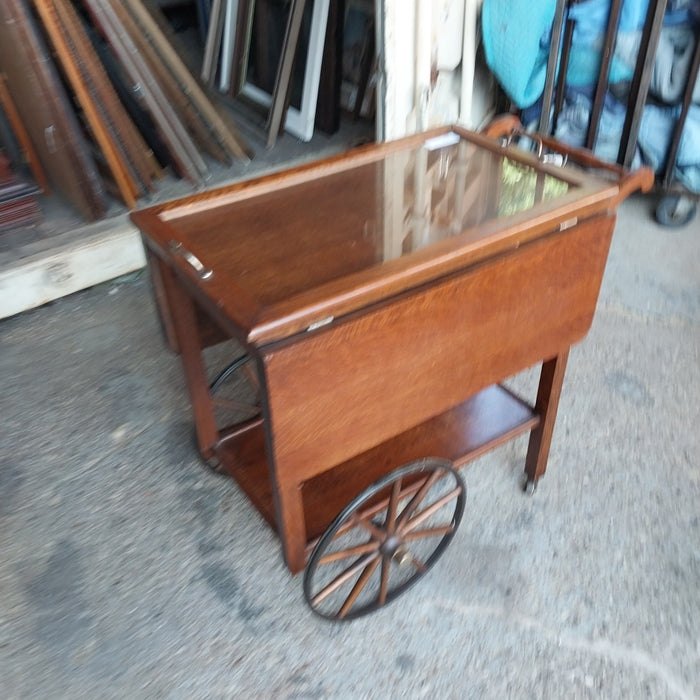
127	570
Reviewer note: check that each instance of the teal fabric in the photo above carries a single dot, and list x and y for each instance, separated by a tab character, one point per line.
516	45
516	36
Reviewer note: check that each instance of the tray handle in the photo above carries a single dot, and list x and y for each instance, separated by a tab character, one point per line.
509	127
178	249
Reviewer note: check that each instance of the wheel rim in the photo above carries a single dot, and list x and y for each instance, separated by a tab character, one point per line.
385	540
236	393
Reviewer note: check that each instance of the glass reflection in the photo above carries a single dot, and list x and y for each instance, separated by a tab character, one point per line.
450	185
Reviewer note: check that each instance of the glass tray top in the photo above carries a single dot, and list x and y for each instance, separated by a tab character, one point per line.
414	209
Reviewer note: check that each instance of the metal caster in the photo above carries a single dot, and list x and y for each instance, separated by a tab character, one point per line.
384	540
530	486
675	210
214	464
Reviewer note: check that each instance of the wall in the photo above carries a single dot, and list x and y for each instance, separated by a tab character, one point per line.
431	75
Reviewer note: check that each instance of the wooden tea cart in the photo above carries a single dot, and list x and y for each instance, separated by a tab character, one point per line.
380	298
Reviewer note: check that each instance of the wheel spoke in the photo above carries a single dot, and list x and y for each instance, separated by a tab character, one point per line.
384	584
416	500
422	568
430	510
357	588
365	548
342	578
364	559
431	532
390	523
374	509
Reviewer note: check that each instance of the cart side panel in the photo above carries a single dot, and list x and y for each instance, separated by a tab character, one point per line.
341	391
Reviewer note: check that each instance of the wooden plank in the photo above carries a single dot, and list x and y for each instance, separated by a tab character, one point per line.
75	260
241	46
115	161
130	97
280	94
171	89
46	111
20	132
225	134
138	152
212	45
180	145
299	122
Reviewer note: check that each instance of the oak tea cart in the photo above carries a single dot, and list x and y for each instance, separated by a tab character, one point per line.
380	298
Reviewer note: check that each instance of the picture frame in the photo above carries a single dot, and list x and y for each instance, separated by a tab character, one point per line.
299	119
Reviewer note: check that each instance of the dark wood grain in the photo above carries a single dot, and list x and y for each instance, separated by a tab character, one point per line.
140	156
20	133
95	117
46	111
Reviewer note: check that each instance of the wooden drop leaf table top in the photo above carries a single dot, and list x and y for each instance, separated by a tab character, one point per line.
291	250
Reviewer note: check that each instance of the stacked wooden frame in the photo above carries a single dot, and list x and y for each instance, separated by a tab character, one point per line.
46	112
18	202
228	42
105	93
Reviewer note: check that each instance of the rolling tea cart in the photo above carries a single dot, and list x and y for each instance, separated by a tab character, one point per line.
380	298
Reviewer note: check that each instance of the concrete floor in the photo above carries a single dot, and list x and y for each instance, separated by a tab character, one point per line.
128	570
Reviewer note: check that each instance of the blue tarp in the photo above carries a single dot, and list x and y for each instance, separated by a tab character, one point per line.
517	34
517	37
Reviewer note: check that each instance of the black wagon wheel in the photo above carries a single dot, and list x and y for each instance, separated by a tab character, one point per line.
385	540
235	392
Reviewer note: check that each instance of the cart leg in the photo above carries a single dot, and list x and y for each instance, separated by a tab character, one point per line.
184	324
291	525
548	392
161	297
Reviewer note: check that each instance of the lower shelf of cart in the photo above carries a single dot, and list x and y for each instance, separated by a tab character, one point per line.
488	419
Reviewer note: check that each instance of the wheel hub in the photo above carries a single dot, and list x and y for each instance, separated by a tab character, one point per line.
390	546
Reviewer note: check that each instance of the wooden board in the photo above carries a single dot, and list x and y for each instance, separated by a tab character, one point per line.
173	132
16	126
137	152
164	44
46	111
95	117
176	97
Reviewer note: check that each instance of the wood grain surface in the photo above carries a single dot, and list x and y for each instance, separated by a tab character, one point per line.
46	111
